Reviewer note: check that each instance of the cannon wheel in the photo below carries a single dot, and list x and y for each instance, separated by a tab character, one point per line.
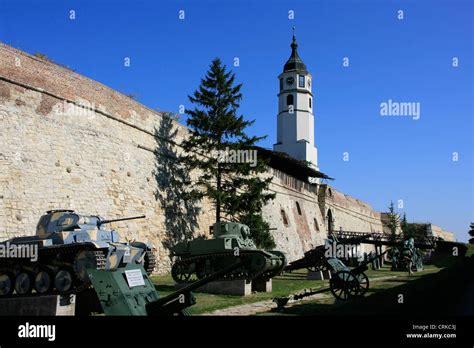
364	284
344	285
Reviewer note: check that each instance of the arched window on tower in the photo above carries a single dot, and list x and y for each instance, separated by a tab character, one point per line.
310	103
289	99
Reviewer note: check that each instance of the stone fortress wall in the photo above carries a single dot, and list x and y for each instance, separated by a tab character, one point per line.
67	141
98	163
437	231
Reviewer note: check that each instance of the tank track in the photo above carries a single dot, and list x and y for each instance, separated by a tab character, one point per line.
101	263
237	275
48	259
150	262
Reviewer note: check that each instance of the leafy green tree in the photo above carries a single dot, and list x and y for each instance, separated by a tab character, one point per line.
237	189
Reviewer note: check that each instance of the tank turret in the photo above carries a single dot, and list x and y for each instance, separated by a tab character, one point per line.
231	241
65	245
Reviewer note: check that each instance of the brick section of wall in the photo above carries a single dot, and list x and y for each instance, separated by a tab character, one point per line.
31	71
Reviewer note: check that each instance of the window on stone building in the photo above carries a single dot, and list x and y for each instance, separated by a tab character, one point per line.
330	222
316	226
298	208
310	103
289	99
285	218
301	81
281	84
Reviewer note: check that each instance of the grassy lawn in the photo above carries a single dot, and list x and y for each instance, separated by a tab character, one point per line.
282	286
435	291
329	305
436	281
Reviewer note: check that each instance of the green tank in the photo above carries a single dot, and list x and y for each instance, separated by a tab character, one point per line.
231	243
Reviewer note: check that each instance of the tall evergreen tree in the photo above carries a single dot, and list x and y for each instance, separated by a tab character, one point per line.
393	221
404	223
471	233
237	190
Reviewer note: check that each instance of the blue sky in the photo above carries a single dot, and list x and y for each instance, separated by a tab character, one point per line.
409	60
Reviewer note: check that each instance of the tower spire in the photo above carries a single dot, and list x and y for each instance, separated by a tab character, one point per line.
294	62
294	45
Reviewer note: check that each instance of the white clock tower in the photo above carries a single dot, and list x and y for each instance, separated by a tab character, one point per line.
295	129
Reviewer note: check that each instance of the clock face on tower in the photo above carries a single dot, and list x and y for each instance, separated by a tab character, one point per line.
290	80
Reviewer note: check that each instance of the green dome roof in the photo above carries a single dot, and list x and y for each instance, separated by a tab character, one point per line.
294	62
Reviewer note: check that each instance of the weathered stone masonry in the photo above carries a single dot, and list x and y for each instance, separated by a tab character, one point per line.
102	161
98	163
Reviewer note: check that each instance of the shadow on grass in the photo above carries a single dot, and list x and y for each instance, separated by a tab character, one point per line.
447	292
165	287
292	278
395	280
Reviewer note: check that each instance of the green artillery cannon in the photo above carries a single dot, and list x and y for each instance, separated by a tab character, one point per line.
406	257
315	259
345	283
129	291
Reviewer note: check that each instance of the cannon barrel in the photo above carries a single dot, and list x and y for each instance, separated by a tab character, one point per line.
101	222
159	307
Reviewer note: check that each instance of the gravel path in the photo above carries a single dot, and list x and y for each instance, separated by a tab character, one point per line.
267	305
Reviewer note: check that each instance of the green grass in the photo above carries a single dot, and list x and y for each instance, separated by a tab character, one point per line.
329	305
379	298
434	291
282	286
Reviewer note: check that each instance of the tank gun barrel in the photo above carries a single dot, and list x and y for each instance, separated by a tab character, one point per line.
266	229
159	306
101	222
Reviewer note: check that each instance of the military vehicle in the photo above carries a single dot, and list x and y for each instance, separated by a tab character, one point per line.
201	257
407	257
66	244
